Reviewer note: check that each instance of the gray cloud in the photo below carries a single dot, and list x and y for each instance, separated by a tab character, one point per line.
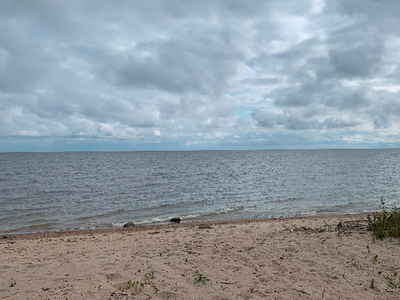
296	121
355	62
200	73
202	64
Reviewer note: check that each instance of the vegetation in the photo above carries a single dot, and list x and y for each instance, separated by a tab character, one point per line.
137	287
375	258
200	278
393	279
385	223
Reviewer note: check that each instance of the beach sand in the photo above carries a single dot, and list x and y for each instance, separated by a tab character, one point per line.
290	258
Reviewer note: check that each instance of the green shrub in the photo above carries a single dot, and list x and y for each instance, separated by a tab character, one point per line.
385	223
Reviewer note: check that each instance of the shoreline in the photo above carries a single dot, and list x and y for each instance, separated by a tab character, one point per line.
184	223
304	257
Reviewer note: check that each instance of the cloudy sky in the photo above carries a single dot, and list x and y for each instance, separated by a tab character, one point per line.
181	75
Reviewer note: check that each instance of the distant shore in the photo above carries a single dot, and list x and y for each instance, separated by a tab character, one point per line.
311	257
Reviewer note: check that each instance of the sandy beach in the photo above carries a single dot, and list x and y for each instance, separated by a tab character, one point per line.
289	258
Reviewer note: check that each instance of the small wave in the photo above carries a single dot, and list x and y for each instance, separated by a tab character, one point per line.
152	221
287	214
36	228
285	200
336	208
192	216
28	216
181	203
104	215
213	213
96	226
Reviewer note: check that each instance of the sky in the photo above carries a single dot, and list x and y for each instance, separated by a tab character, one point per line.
99	75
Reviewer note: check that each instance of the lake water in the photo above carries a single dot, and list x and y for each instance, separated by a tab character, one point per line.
82	190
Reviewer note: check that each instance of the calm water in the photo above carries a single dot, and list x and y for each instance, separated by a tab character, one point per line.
59	191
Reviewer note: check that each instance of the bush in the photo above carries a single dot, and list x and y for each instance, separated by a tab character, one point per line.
385	223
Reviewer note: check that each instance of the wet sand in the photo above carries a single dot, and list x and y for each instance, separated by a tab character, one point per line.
288	258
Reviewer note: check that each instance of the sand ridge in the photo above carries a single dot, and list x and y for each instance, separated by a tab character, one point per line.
288	258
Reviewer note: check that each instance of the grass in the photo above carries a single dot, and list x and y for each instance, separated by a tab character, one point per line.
385	223
393	279
375	258
200	278
137	287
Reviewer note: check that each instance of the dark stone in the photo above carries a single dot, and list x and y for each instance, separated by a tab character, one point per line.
129	224
176	220
4	236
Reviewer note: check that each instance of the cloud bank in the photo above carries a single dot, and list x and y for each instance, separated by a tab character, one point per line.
175	75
